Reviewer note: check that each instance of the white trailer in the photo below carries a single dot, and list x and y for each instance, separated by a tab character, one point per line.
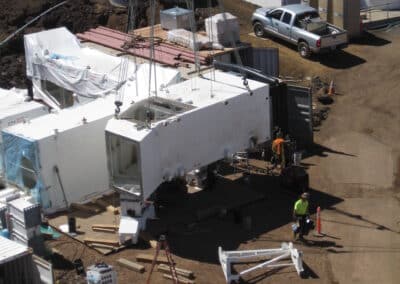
60	158
189	126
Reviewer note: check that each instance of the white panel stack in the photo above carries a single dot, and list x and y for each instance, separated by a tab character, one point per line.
223	29
25	220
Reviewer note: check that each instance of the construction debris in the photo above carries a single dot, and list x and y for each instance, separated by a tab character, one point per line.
131	265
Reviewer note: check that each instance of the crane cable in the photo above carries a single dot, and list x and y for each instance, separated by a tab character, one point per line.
152	49
124	65
235	50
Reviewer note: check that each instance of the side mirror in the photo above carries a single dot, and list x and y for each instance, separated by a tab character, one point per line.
268	14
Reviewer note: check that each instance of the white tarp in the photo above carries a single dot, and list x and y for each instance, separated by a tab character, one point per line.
57	56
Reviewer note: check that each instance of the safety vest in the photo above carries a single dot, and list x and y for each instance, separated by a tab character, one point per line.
301	207
277	145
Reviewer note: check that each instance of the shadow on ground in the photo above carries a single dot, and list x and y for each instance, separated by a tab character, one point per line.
323	151
244	211
339	59
370	39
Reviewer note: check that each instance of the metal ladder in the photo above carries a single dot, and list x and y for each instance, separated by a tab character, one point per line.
162	243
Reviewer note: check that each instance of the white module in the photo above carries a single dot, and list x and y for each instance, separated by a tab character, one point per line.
193	124
60	158
14	109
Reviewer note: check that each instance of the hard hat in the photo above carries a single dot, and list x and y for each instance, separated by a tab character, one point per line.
305	195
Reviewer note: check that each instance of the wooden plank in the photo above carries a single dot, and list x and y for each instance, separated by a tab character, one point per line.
103	246
106	226
180	279
102	241
104	230
84	207
131	265
149	258
179	271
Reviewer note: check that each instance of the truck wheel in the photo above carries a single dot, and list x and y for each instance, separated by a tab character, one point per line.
258	29
304	49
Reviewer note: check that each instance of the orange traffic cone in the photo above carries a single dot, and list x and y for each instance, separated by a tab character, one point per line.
318	232
331	90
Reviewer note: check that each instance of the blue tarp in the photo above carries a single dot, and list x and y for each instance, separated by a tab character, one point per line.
15	149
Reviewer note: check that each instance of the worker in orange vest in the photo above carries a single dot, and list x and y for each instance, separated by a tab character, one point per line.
278	150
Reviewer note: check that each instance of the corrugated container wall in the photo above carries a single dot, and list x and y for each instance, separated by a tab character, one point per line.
18	271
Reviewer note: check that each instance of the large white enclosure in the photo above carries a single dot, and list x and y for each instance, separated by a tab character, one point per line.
63	154
191	125
14	109
64	73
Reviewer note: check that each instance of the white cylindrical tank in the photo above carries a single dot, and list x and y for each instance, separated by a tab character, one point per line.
381	4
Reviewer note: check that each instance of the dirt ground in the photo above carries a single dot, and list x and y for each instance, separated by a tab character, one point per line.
354	176
77	16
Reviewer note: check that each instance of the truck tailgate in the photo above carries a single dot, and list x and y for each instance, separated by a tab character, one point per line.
333	40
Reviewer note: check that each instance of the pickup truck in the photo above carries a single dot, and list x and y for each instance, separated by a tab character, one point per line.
301	25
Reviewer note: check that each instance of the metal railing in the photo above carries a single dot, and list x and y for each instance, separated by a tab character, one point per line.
368	12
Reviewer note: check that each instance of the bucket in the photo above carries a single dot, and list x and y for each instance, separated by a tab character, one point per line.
247	223
297	158
5	233
72	225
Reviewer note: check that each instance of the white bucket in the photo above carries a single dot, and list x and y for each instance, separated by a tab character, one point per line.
297	158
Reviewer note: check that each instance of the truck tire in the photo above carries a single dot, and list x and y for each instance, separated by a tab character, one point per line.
304	49
258	29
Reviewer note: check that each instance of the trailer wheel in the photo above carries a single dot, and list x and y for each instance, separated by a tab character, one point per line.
304	49
258	29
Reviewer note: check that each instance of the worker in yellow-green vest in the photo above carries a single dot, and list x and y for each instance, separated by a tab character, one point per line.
300	214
